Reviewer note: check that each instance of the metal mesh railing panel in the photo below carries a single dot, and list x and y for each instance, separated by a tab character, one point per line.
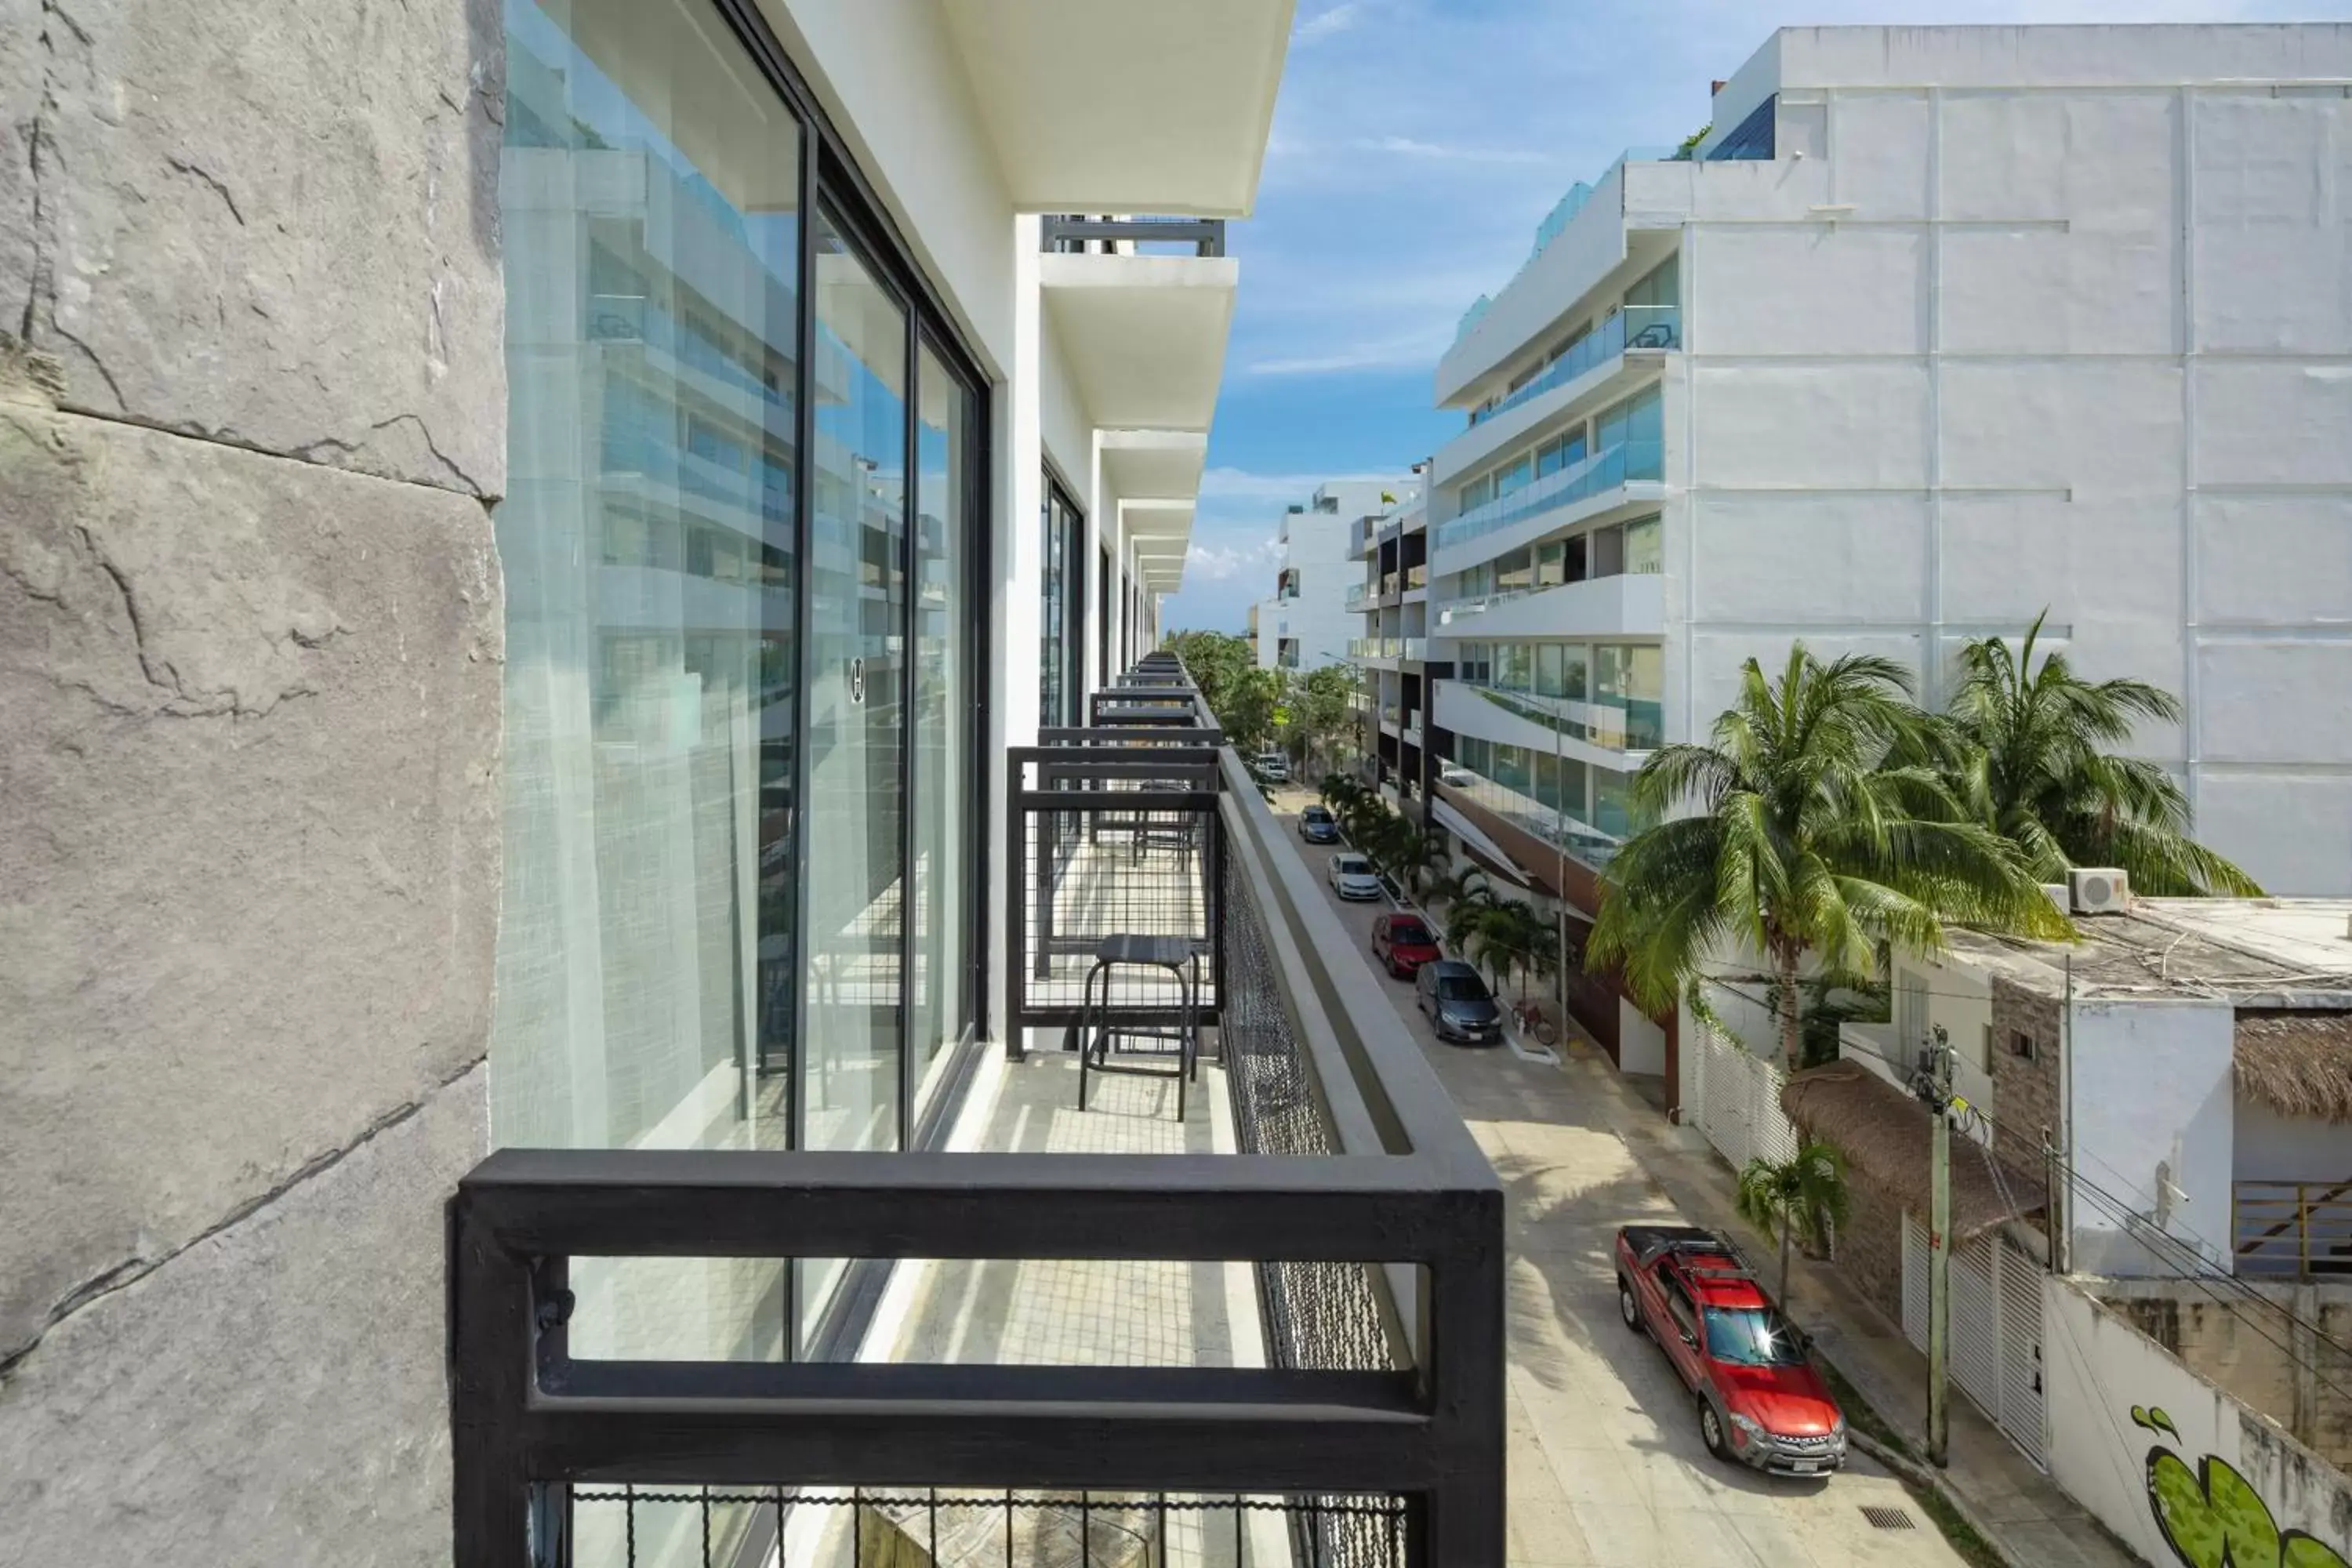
700	1527
1319	1316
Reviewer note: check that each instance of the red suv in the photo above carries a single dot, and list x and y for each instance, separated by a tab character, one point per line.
1403	942
1759	1400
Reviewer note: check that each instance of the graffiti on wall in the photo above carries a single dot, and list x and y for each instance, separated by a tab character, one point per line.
2212	1516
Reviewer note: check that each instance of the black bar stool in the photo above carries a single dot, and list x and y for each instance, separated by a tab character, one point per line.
1101	1035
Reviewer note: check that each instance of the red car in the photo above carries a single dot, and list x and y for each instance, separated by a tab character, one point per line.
1404	942
1759	1400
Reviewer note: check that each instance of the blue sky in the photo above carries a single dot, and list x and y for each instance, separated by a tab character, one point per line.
1415	146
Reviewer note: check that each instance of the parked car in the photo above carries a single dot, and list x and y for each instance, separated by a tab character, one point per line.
1317	825
1352	876
1760	1399
1273	767
1404	942
1457	1002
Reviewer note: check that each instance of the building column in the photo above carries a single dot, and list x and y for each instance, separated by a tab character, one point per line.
252	425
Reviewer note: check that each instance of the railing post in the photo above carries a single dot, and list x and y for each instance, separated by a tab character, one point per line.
2303	1226
490	1354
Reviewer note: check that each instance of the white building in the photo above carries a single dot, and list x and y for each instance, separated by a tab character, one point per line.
2166	1100
1938	328
1393	651
1308	621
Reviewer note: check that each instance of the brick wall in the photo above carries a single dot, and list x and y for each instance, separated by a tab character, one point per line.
2025	1090
1870	1248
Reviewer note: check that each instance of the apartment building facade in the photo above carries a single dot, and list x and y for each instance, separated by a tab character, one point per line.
533	530
1934	330
1393	651
1308	621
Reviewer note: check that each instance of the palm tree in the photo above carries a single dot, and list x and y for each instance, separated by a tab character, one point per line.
2022	749
1805	1193
1507	937
1808	838
1420	858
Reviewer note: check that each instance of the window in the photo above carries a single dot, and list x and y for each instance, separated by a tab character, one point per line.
1751	1336
1751	139
1652	316
1515	572
1061	619
1644	545
1551	563
1551	680
1569	342
708	797
1475	494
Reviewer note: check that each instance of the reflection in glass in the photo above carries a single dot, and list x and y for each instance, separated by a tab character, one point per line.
648	197
944	698
856	670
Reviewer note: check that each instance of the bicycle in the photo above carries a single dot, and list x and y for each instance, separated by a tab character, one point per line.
1528	1020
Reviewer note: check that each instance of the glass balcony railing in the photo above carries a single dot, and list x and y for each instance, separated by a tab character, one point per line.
1620	723
1374	647
1524	808
1635	327
1555	223
1388	584
1415	647
1416	577
1604	470
1359	597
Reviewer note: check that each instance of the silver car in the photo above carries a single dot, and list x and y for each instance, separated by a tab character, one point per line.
1352	877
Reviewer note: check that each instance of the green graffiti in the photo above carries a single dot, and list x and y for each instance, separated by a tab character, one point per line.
2212	1519
2155	1420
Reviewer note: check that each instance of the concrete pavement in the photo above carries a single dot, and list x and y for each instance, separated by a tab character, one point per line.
1606	1465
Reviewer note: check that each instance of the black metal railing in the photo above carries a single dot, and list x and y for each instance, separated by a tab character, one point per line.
1372	1435
1073	234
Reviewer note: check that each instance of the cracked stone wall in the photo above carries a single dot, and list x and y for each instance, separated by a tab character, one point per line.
252	420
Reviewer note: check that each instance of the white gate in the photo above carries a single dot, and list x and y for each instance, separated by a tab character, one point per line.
1996	1350
1739	1100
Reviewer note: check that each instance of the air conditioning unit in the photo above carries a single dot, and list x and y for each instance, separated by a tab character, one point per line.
2099	890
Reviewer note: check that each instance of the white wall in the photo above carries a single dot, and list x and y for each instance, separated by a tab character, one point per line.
1640	1043
2152	1082
2269	1147
2100	1373
2101	362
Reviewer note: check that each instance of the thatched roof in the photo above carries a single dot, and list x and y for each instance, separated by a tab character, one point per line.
1882	1132
2298	1064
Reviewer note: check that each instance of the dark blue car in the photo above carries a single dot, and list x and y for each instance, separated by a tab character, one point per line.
1317	825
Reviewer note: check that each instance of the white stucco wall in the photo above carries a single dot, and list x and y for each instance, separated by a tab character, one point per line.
2152	1083
2099	1373
2268	1147
1640	1043
2100	363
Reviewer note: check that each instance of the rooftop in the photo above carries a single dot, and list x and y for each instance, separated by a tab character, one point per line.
2253	952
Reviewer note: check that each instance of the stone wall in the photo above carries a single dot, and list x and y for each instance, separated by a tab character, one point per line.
1870	1247
2024	1088
252	418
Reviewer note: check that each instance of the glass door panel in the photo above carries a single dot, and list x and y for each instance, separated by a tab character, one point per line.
939	1003
855	676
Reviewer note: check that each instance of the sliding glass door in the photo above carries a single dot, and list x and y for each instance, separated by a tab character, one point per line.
854	854
946	683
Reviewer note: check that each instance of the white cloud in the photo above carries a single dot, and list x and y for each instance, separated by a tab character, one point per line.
1335	20
1408	147
1218	563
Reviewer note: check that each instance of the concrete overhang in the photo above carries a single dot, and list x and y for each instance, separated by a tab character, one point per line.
1154	465
1160	534
1125	105
1144	336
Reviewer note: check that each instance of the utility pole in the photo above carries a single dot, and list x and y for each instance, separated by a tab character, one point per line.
1933	1085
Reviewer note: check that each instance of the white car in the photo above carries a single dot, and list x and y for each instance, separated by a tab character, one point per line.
1273	767
1352	877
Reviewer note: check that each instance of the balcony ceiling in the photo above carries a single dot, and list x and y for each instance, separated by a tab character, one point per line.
1154	465
1144	336
1161	534
1125	105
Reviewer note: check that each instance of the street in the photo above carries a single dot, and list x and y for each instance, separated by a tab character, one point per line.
1606	1465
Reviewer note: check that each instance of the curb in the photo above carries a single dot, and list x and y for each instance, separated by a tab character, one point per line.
1927	1476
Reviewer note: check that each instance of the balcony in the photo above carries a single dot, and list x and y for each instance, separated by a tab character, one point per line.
2292	1230
1412	649
1416	577
1358	600
1231	1274
1531	806
1652	327
1613	732
1376	653
1630	603
1553	500
1392	585
1143	333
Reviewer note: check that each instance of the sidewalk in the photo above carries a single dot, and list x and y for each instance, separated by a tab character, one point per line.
2021	1508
